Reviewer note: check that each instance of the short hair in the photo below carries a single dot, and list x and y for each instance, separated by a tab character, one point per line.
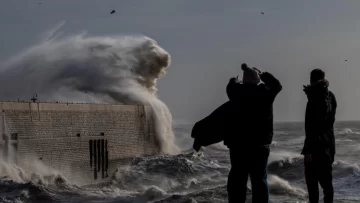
316	75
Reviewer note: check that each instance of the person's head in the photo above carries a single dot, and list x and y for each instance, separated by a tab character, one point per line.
250	76
316	75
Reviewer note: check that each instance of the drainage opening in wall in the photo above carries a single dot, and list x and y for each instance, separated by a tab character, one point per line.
99	157
14	136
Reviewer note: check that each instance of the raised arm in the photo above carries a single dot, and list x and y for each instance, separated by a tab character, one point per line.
272	84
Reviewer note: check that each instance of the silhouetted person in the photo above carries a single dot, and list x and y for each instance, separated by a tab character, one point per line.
251	133
319	146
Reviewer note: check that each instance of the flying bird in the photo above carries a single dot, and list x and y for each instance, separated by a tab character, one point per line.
113	11
345	60
262	13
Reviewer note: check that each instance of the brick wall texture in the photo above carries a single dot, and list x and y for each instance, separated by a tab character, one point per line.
59	135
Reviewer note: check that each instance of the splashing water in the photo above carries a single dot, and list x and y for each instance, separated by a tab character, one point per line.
117	69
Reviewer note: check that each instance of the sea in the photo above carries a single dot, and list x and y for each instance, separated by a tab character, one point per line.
191	177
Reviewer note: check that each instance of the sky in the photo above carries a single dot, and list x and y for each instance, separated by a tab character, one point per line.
209	39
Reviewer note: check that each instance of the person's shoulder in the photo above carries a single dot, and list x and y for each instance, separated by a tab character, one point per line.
233	80
332	97
331	94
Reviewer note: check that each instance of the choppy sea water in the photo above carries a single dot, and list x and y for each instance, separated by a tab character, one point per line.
192	177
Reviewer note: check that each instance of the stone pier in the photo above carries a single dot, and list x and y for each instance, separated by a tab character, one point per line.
85	142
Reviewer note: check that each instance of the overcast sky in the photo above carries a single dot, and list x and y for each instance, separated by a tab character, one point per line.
209	39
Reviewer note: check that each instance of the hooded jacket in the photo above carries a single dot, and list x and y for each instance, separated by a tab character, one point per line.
252	116
319	121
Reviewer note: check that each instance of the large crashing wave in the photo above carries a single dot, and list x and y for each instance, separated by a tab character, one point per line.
116	69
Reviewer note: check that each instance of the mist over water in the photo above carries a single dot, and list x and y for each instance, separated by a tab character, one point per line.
102	69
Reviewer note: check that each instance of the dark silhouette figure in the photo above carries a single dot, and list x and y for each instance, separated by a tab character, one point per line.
250	133
34	98
319	146
112	12
262	13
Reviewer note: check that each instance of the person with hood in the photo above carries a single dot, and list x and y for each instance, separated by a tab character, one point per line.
251	133
319	145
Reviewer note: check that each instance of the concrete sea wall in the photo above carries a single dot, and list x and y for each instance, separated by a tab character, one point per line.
85	142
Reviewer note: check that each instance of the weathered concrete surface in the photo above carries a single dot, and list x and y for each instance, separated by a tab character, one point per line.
59	135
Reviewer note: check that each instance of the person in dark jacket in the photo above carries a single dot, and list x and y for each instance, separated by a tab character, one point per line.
251	134
319	146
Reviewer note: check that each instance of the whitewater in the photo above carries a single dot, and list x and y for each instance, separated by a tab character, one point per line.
191	177
125	70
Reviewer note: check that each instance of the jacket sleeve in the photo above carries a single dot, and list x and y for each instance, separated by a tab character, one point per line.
272	85
333	116
318	119
309	121
334	108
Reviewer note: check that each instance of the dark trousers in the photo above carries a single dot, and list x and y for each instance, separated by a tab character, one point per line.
316	172
251	162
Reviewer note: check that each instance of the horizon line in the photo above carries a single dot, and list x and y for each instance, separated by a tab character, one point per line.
302	121
275	122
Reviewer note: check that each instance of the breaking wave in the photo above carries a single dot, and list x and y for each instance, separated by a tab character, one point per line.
347	131
279	186
112	69
184	172
32	171
291	168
